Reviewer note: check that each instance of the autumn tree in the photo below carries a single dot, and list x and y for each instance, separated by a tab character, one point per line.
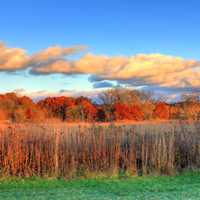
128	112
177	112
57	106
162	111
191	105
20	109
83	110
128	99
3	115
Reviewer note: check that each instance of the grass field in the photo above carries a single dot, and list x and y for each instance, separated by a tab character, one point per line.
182	187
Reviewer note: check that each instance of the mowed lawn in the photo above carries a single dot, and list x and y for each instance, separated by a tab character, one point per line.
182	187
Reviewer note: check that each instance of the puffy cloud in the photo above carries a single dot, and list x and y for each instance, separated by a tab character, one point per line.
88	64
53	67
54	52
139	70
13	59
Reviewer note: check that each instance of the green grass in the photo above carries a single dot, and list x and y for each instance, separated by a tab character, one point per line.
182	187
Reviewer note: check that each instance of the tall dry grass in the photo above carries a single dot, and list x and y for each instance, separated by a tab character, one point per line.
75	151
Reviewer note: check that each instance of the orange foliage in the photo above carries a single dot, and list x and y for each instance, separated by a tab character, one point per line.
88	109
162	111
20	109
56	106
130	112
23	109
3	115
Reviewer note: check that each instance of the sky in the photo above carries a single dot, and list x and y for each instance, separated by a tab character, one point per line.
80	47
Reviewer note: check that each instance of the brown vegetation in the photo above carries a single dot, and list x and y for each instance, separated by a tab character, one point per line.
63	151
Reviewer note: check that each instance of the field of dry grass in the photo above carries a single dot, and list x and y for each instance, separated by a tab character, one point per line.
87	150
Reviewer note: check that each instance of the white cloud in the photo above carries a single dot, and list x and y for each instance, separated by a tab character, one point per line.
159	70
152	69
13	59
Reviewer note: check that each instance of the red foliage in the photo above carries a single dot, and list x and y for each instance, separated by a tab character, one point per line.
23	109
129	112
25	101
3	115
67	108
162	111
55	102
56	106
88	108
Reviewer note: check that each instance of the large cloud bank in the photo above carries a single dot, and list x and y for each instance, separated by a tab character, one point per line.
155	70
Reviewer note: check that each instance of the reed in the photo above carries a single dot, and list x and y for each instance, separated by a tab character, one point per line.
81	151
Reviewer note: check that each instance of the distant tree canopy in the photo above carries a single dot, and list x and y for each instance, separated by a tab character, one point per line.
56	107
115	105
20	109
162	111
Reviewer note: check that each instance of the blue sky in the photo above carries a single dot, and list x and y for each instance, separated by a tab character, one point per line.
111	28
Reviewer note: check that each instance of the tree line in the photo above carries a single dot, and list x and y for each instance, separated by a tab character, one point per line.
113	105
